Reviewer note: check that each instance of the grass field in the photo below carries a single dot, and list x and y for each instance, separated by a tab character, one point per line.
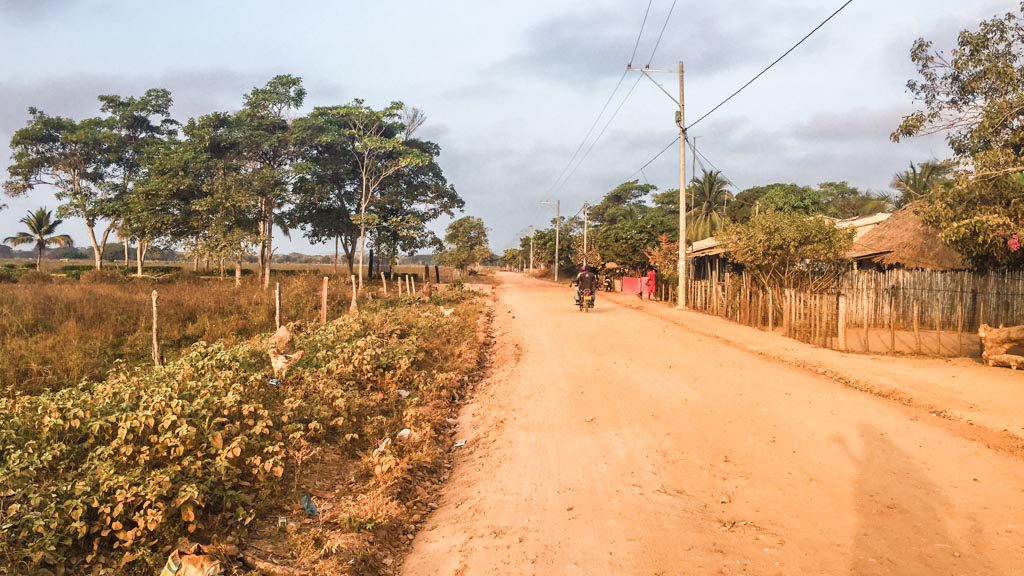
55	334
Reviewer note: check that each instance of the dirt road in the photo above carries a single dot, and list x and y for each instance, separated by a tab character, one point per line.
617	443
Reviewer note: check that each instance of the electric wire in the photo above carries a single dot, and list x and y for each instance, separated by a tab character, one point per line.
770	66
587	135
656	156
663	26
599	135
641	33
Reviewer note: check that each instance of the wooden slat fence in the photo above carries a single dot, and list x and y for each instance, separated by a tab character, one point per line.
899	311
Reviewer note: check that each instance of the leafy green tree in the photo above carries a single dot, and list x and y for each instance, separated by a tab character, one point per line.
413	197
41	232
133	131
326	191
264	136
708	197
917	182
974	95
71	156
844	201
789	249
978	218
379	144
465	242
511	257
778	196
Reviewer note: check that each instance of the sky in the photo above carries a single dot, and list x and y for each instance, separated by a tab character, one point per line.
510	87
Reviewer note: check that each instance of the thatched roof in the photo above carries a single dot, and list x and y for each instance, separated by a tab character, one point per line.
904	240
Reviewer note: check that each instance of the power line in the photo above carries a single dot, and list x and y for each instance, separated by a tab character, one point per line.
769	67
601	133
641	33
558	181
663	26
586	137
656	156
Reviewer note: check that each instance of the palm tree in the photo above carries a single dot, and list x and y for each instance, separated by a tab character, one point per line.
918	181
708	197
41	232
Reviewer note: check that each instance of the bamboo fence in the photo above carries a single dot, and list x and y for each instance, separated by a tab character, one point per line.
896	312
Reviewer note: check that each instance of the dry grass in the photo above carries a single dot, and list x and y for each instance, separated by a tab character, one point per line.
54	335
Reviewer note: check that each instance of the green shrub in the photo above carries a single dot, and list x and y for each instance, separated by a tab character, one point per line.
107	475
35	277
105	276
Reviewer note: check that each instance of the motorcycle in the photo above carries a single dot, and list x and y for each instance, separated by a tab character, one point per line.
586	300
609	286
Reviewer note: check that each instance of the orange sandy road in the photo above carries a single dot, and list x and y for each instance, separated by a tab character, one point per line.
617	443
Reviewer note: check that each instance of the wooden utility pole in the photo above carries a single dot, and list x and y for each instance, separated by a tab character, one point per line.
532	234
585	233
681	122
558	225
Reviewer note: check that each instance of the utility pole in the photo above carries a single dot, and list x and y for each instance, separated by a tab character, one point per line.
532	234
681	122
558	225
585	233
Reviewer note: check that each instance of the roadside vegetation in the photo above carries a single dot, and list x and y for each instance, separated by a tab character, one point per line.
104	476
57	334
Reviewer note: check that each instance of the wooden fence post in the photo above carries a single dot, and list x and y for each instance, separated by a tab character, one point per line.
277	304
917	325
412	281
323	302
384	281
841	322
353	307
437	274
771	310
938	329
157	360
892	321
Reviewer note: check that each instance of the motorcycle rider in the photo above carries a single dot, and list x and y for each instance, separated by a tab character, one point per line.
585	280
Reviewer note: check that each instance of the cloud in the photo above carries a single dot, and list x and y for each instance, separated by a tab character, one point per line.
29	10
195	92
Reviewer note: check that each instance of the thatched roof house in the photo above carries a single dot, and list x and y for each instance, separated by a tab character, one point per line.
904	241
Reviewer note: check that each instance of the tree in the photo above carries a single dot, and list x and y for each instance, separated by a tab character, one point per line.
41	228
465	242
133	132
378	143
789	249
665	257
779	196
844	201
979	218
975	96
71	156
709	196
265	140
917	182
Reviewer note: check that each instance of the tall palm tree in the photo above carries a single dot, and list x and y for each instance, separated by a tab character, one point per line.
41	232
708	196
918	181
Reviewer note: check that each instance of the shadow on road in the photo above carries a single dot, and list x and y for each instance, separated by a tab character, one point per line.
906	524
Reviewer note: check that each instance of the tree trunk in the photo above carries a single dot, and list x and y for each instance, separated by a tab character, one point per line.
238	270
140	256
220	262
362	246
97	249
195	263
269	224
127	259
39	257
